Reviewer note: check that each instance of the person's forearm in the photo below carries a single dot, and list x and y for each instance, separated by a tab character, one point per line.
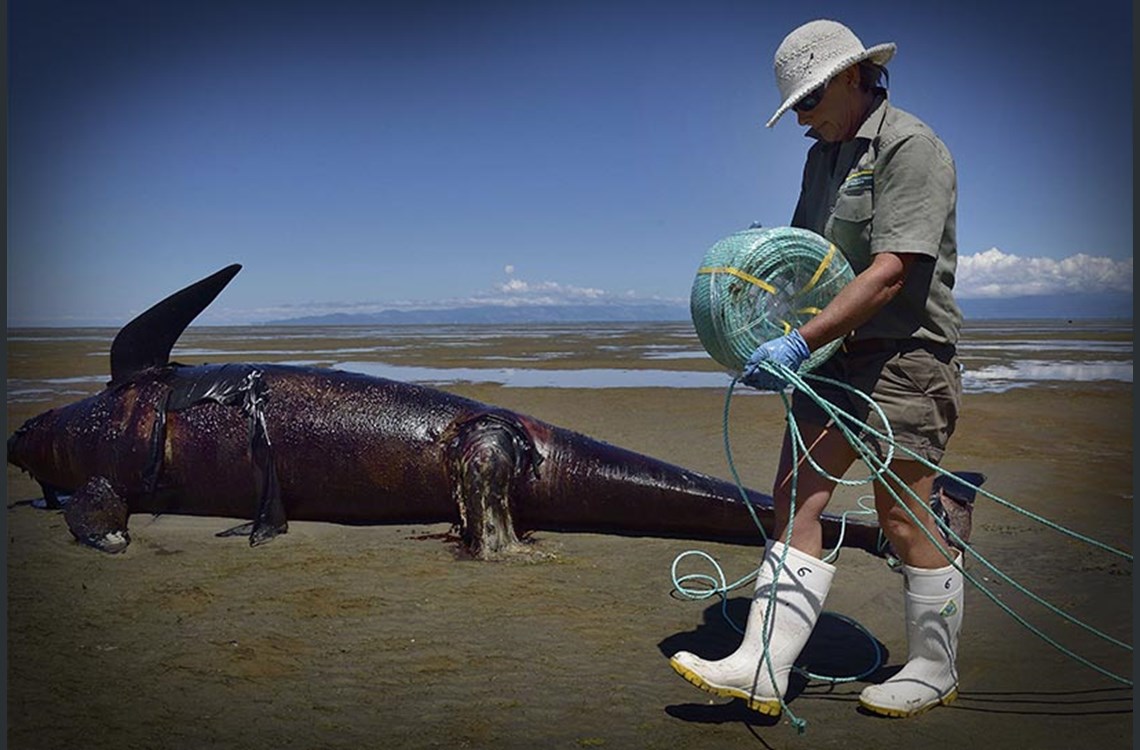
858	302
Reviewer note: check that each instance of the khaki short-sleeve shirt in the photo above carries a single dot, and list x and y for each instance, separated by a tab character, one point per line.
893	188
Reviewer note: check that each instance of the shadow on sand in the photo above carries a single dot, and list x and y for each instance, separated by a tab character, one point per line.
838	648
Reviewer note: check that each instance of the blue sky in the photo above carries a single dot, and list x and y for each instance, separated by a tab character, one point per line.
360	155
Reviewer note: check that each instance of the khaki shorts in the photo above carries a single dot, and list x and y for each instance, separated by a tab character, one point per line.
917	384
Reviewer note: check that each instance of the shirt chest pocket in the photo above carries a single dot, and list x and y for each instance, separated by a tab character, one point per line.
849	225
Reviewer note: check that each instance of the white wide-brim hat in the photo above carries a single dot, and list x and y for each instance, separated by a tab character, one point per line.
813	53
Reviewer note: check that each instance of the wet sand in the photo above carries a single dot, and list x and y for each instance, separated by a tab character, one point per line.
362	637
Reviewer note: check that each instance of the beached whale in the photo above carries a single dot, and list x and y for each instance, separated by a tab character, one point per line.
274	442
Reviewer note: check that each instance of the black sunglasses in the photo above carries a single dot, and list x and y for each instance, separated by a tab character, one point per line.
811	100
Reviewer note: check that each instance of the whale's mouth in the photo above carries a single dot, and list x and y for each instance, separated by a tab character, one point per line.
11	451
32	440
14	441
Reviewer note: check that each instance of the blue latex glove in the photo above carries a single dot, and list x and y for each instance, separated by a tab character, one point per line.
790	350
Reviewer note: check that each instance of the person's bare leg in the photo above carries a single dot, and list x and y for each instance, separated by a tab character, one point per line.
910	541
832	452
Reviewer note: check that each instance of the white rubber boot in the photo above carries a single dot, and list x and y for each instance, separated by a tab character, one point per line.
800	593
934	603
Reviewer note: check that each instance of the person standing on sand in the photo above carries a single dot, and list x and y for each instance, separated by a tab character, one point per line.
881	186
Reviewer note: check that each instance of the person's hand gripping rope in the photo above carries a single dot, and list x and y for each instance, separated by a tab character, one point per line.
789	350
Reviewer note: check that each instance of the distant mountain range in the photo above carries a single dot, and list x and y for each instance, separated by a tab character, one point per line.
1060	306
1117	305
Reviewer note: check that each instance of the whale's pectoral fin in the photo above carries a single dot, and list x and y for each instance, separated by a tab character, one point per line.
97	516
489	455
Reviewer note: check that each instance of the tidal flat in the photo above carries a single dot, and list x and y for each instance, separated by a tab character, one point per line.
383	636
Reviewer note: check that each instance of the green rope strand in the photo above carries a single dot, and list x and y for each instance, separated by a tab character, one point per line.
879	469
882	469
799	383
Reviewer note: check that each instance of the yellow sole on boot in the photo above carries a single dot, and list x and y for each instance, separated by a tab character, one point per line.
767	707
898	713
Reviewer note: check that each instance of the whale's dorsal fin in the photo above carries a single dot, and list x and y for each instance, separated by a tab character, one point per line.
147	340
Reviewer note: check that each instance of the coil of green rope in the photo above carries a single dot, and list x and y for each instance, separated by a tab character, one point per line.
759	284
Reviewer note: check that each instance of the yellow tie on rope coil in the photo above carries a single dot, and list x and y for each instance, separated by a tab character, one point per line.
745	276
823	264
742	275
760	283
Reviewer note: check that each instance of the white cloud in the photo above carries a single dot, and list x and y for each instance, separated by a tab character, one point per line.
517	291
996	274
989	274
